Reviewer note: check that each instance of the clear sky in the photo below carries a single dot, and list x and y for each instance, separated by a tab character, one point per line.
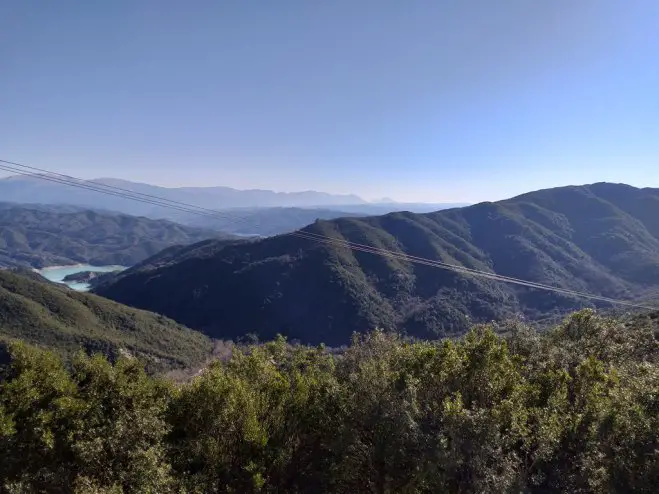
418	100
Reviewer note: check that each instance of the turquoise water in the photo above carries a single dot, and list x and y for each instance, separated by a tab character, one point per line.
57	273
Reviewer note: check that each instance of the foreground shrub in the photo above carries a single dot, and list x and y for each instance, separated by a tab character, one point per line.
575	409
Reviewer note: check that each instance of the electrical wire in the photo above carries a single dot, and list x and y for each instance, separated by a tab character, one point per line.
124	193
464	270
471	270
138	197
99	185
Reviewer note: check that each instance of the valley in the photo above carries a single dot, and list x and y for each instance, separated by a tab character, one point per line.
40	236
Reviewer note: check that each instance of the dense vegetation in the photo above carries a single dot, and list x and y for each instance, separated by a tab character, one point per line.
602	239
64	320
39	236
573	410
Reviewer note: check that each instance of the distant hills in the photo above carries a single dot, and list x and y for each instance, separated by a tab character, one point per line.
272	221
24	189
601	238
249	203
40	236
263	221
380	208
53	316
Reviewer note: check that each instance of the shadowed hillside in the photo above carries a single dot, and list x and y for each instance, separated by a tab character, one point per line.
602	239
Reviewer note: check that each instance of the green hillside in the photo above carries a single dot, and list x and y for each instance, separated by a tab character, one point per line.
64	320
602	239
40	236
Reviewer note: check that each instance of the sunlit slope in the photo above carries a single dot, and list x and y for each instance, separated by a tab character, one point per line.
56	317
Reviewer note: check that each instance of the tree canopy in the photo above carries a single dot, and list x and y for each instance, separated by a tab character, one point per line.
575	409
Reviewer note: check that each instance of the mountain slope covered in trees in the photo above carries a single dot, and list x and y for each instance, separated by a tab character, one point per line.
602	239
63	320
38	236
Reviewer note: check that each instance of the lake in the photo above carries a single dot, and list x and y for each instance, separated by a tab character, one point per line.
58	273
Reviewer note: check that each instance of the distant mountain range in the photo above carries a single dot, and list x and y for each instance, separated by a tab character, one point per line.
25	189
22	189
263	221
273	221
392	207
40	236
602	239
60	319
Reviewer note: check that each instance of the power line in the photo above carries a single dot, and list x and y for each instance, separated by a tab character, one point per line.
192	209
97	185
179	206
464	270
68	180
201	211
471	270
134	196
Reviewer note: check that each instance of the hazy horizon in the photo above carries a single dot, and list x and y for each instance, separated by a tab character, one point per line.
374	201
118	181
436	102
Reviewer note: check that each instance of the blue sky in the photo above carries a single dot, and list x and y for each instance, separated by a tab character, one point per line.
418	100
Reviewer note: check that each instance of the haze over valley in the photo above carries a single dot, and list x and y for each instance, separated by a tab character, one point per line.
241	212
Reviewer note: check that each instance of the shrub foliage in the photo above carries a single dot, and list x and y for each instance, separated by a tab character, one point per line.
575	409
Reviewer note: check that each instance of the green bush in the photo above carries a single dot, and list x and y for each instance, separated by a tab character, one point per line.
575	409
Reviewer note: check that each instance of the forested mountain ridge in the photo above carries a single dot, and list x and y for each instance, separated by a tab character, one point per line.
65	321
37	236
601	238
